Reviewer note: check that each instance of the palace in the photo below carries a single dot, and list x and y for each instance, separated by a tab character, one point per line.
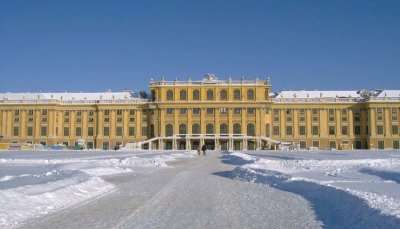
223	114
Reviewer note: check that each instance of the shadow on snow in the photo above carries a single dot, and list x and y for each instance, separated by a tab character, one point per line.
385	175
334	208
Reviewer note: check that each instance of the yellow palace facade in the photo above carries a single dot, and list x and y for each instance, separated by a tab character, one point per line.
223	114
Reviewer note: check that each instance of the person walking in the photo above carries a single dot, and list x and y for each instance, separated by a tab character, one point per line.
204	148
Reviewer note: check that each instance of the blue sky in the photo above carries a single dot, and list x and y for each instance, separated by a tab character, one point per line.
98	45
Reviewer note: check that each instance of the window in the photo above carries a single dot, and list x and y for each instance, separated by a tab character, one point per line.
251	129
315	144
379	114
210	129
170	110
223	95
344	115
196	95
90	131
44	112
251	110
332	130
237	129
302	115
131	112
43	131
210	111
78	132
396	144
302	130
182	129
183	111
196	111
289	130
119	131
379	130
315	130
381	144
196	128
182	95
106	145
170	95
66	131
332	116
250	94
131	131
30	112
119	112
210	94
357	130
106	131
394	114
357	116
169	130
223	128
30	131
237	111
106	112
236	94
344	130
276	115
332	144
395	129
16	131
223	110
275	130
303	145
289	116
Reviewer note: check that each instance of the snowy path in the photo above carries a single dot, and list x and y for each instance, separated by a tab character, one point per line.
196	193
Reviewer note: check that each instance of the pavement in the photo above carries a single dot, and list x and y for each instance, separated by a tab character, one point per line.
191	193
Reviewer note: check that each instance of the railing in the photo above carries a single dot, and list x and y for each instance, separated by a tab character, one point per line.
316	100
56	101
201	82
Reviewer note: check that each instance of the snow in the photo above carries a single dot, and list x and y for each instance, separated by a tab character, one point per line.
389	94
317	94
373	177
38	183
68	96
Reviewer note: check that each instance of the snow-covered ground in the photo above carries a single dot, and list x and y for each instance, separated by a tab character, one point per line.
350	178
33	184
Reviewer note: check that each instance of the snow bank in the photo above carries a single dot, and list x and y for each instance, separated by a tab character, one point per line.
344	174
33	186
26	202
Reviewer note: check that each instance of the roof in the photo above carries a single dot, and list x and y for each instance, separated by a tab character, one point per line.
389	94
316	94
70	96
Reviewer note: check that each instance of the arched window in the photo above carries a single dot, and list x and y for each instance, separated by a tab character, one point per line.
223	128
250	94
196	128
170	95
153	95
251	129
237	129
236	94
210	129
223	95
169	130
182	95
182	129
196	95
210	94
